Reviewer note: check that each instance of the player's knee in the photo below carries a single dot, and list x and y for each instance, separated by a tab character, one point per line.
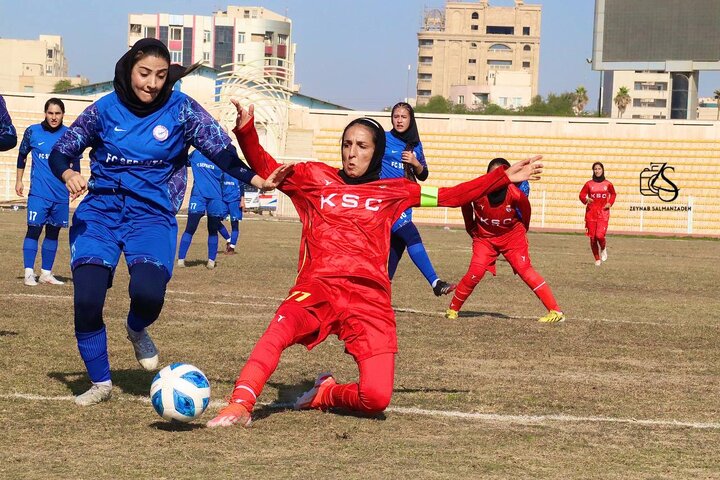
213	225
192	223
147	289
52	232
374	400
88	311
33	232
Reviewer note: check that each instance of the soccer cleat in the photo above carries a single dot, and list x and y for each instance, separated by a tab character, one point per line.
181	262
451	314
97	393
229	249
443	288
210	264
553	316
603	255
234	413
49	279
145	351
30	280
598	263
313	397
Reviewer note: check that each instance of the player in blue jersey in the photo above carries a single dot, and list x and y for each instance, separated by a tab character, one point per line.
205	197
48	200
140	135
404	157
8	135
233	196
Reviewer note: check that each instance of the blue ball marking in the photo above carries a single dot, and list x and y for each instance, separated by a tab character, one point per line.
157	402
184	405
196	378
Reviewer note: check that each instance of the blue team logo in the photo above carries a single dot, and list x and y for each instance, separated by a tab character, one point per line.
655	183
160	132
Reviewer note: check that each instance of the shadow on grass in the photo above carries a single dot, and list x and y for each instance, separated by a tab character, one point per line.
7	333
67	280
133	382
176	426
472	314
194	263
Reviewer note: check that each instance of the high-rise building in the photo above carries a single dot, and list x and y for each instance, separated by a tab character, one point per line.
34	65
253	36
473	54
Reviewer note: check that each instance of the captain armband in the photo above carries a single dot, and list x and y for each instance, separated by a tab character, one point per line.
428	196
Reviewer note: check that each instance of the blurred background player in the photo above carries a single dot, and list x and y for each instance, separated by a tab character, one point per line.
206	197
598	195
233	193
404	157
342	286
496	228
48	201
140	135
8	135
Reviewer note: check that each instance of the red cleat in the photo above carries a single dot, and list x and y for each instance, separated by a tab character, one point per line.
234	413
312	399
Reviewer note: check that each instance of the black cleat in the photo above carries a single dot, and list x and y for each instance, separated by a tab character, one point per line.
443	288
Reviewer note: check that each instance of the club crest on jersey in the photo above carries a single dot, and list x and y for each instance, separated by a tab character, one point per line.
508	208
160	132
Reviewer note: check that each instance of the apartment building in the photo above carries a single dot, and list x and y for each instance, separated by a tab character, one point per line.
474	53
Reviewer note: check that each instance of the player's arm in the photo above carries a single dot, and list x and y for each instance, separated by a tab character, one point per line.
611	198
468	218
584	197
65	157
25	149
8	135
420	168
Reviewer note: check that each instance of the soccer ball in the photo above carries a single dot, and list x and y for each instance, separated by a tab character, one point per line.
180	392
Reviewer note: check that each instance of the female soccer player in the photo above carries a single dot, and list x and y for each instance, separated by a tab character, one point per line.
404	157
48	201
140	135
598	195
233	193
8	135
342	287
205	197
498	224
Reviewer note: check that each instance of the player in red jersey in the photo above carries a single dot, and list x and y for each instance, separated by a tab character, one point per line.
342	286
498	224
598	195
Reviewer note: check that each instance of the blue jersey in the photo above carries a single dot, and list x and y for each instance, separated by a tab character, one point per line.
8	135
207	177
232	189
393	167
40	142
141	156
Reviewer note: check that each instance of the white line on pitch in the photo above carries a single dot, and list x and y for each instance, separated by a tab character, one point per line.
483	417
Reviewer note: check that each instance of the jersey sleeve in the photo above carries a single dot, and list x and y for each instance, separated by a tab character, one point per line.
25	148
83	133
8	135
584	194
613	195
201	130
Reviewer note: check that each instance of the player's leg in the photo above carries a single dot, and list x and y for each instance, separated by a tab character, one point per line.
370	395
49	250
91	283
288	327
519	259
419	256
397	247
591	229
223	232
483	259
213	224
602	243
147	296
235	225
193	221
30	248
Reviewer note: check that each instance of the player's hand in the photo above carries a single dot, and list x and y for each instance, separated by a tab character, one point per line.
528	169
75	183
277	176
589	201
606	206
410	158
243	116
19	188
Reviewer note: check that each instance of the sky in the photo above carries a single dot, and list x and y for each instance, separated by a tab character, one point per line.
353	53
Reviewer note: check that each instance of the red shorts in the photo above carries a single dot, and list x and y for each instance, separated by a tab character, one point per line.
360	314
512	245
595	229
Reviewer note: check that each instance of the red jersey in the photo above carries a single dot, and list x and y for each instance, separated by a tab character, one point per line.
602	193
484	220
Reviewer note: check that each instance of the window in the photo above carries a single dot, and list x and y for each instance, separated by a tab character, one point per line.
240	57
282	39
150	32
474	16
135	28
424	93
426	60
175	33
526	64
269	36
517	101
246	14
240	37
49	53
461	99
495	30
49	70
526	48
502	101
256	37
500	63
473	27
499	47
473	45
425	43
206	56
206	36
526	30
175	57
471	78
472	60
424	76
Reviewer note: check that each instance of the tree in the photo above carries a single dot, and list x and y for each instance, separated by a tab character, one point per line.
436	104
62	85
580	99
716	96
622	100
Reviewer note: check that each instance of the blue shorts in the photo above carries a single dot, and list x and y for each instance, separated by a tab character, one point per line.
235	212
41	212
106	225
213	207
405	218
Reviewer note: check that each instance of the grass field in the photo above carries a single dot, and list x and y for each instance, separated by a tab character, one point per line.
627	387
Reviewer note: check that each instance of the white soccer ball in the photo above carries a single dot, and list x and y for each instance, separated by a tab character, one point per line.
180	392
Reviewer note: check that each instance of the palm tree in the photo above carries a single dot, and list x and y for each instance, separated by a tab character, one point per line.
622	99
716	94
580	99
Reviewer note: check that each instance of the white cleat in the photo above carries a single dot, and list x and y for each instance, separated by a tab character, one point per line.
30	279
49	279
97	393
181	262
598	263
603	255
210	264
145	351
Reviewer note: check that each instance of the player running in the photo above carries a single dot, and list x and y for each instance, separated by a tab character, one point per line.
48	202
342	286
598	195
498	224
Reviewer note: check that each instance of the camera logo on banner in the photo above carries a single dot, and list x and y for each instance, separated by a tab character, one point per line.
655	183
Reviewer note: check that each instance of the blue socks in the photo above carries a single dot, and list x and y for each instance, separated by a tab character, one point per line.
185	242
235	224
212	246
223	232
420	258
49	249
93	350
30	248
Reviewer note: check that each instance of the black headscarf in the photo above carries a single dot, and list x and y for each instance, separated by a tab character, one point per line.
123	69
373	171
411	137
601	177
498	196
